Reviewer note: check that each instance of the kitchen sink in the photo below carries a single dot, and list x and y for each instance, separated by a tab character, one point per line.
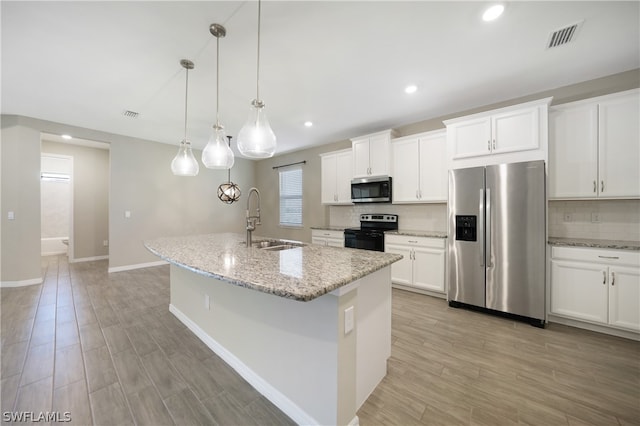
281	247
276	245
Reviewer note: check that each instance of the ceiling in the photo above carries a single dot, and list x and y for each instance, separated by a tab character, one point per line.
342	65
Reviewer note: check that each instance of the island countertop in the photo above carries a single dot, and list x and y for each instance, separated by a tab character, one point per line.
301	273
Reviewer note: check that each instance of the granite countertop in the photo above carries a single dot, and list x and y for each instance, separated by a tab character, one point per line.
329	228
301	273
593	243
430	234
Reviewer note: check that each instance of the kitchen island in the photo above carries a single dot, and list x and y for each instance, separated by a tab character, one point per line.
309	327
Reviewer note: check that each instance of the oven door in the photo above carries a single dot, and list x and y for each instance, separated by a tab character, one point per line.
366	240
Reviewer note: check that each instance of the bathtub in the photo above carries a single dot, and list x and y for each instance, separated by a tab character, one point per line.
55	245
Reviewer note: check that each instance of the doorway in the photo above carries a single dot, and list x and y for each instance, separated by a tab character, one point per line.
86	224
56	204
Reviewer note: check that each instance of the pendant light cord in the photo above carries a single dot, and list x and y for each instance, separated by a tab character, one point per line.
229	169
186	103
217	80
258	66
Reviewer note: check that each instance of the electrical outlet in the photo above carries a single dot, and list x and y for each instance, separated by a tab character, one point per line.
595	217
568	217
105	243
127	214
348	320
207	302
11	216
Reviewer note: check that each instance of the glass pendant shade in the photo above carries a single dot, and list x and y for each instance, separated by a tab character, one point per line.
184	163
217	154
256	139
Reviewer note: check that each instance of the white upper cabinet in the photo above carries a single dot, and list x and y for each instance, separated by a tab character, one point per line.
336	177
573	151
619	146
371	154
419	168
594	150
515	133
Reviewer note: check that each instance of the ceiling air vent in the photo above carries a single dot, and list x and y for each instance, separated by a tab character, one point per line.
563	35
130	114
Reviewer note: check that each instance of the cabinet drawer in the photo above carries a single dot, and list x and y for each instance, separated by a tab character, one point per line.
414	241
609	257
327	234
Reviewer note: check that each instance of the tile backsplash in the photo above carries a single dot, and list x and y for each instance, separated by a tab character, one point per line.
427	217
618	219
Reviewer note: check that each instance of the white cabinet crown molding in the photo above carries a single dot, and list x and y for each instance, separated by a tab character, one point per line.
482	114
597	99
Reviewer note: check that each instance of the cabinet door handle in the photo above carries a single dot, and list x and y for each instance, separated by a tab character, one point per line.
417	194
604	278
608	257
601	186
613	278
420	194
489	145
494	144
595	186
412	241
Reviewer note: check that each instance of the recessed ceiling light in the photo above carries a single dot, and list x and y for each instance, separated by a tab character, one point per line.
308	123
67	137
410	89
493	12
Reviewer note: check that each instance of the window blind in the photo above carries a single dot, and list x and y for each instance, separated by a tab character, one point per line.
291	197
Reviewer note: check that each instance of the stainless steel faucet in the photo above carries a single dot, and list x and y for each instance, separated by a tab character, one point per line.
252	221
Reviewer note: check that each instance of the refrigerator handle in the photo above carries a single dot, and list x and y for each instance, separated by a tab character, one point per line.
481	226
487	237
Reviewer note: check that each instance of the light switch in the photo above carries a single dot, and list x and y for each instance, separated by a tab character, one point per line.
11	216
348	320
127	214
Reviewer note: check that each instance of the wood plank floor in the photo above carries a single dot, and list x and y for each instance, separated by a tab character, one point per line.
105	348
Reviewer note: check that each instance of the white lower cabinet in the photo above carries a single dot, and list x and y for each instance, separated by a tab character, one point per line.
327	238
423	262
598	286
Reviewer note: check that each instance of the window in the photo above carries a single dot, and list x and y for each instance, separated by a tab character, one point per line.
291	197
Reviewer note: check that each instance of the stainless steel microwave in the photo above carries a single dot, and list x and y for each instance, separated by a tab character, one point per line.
371	190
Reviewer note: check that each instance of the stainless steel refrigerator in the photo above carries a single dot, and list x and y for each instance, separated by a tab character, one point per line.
497	239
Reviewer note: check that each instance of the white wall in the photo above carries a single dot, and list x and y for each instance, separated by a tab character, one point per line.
20	194
140	181
162	204
55	198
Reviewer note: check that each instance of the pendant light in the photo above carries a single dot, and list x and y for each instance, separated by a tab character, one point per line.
256	139
229	192
217	154
184	163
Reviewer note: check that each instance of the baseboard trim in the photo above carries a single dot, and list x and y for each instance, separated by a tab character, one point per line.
88	259
137	266
278	399
20	283
419	290
593	327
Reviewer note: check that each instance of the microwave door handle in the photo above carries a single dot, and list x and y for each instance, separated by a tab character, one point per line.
481	226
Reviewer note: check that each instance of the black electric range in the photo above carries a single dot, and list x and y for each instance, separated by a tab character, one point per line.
370	235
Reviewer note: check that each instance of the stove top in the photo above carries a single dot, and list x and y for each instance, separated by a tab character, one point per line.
377	222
